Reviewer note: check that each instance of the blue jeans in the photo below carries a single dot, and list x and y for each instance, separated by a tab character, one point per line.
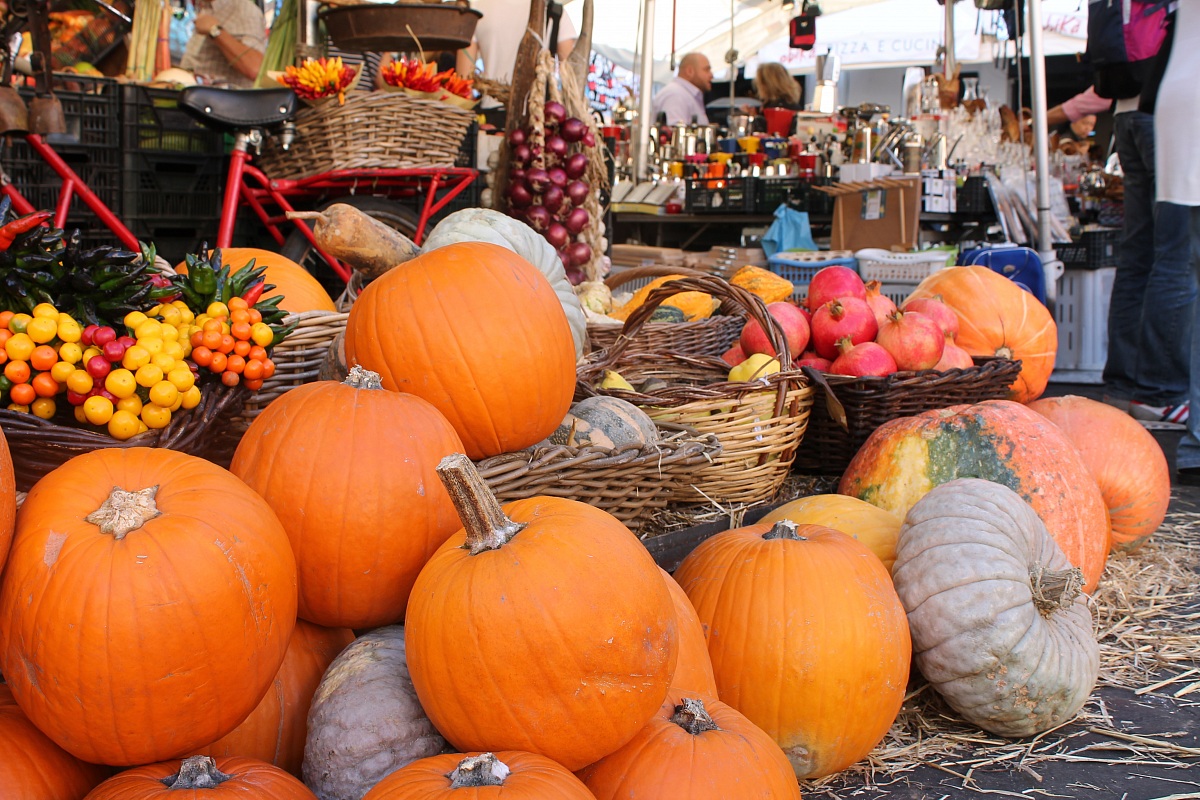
1150	315
1188	453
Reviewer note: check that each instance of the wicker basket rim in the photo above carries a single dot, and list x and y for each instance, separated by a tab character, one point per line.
680	445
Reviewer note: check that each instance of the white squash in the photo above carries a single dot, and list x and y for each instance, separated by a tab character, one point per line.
486	225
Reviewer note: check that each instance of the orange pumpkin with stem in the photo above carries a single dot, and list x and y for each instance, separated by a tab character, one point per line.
276	729
570	631
35	768
807	638
380	512
998	318
1124	458
161	607
229	778
476	330
509	774
301	291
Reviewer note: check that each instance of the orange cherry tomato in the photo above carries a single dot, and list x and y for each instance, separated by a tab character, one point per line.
5	318
218	362
202	356
43	357
211	339
255	316
22	394
253	370
242	348
236	304
227	343
212	325
17	372
5	334
253	386
239	315
268	368
240	330
44	385
235	363
197	338
230	378
258	353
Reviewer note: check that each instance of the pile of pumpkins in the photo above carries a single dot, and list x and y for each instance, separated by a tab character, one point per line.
169	625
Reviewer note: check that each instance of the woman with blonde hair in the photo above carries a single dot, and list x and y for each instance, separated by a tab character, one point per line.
774	87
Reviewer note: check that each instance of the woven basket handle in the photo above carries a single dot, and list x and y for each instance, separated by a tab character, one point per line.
648	271
735	296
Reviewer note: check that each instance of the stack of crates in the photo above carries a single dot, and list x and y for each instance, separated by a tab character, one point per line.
1081	313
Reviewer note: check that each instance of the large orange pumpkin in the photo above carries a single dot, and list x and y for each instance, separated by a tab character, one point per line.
693	670
8	499
1124	458
998	318
301	291
34	768
476	330
140	622
203	778
695	747
999	441
871	525
508	774
375	511
276	729
807	638
544	626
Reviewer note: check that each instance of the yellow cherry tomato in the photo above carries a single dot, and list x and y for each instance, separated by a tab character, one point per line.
135	357
80	382
142	428
135	318
99	410
150	328
122	425
70	352
43	407
45	311
182	377
69	330
120	383
172	316
163	361
217	310
261	334
178	404
18	322
88	354
80	415
19	346
132	404
191	398
18	407
154	344
163	393
155	416
176	350
169	332
61	371
148	375
42	329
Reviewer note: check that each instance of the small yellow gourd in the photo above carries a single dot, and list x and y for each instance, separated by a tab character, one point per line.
764	283
694	305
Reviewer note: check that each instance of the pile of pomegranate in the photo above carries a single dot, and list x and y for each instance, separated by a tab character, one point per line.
547	185
846	327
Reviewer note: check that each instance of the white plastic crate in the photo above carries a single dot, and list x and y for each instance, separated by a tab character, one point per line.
875	264
1081	313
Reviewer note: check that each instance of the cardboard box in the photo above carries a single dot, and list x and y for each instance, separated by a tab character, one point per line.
883	214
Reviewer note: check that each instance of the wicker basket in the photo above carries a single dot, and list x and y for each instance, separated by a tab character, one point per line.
371	130
39	445
298	359
629	482
759	424
867	403
706	337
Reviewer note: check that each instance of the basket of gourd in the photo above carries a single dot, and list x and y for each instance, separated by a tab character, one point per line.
758	412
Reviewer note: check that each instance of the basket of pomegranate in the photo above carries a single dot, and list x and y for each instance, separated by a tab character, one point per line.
871	362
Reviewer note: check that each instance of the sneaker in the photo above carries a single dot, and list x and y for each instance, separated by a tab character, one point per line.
1176	414
1119	403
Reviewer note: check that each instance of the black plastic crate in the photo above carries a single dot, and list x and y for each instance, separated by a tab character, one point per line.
1093	249
806	197
771	193
172	240
91	108
173	187
41	186
152	122
718	196
974	197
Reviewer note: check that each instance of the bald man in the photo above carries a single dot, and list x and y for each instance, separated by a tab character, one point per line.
683	98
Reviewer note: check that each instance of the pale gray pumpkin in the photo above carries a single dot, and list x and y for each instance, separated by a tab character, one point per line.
1000	626
486	225
365	721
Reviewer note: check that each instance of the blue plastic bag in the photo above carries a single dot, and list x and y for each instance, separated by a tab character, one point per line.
789	231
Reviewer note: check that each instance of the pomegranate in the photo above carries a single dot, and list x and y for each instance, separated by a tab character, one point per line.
810	359
913	339
832	283
863	360
734	355
938	311
795	331
848	317
954	357
880	303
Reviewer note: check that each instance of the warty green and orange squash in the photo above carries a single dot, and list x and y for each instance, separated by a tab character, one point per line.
996	440
806	635
203	778
146	606
349	469
504	775
544	626
475	330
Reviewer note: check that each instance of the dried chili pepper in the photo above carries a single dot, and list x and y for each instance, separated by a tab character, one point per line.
15	228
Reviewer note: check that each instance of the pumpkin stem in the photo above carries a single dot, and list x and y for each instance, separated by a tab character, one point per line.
1054	590
481	770
784	529
1004	351
487	526
360	378
693	718
196	772
123	512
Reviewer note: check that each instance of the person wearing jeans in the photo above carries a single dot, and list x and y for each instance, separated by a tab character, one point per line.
1150	315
